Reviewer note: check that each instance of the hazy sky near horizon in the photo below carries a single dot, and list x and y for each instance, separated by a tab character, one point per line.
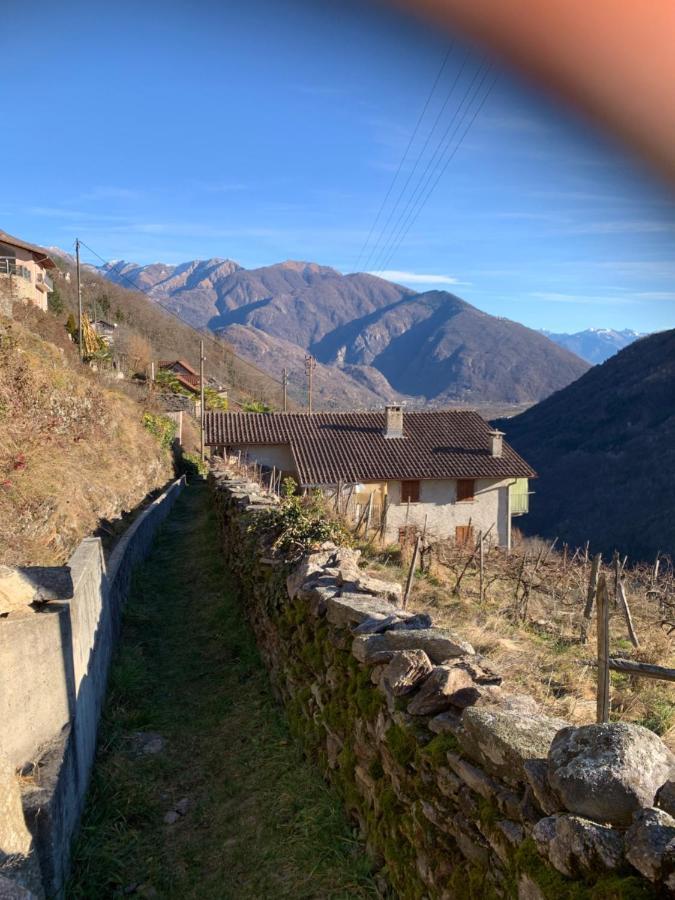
264	131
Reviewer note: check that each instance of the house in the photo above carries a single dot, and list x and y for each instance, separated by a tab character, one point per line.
105	330
184	374
24	271
446	472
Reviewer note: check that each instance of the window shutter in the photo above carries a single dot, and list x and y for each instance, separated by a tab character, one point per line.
465	489
410	491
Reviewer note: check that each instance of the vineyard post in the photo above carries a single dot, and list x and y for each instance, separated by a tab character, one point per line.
602	607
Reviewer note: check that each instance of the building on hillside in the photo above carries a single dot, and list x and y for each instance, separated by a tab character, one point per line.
24	272
184	374
105	330
447	473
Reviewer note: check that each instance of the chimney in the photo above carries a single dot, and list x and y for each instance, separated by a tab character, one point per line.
393	427
496	443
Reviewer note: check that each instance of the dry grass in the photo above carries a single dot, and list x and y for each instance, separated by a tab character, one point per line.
530	625
72	452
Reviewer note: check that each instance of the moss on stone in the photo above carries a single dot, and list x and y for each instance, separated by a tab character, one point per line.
401	744
438	748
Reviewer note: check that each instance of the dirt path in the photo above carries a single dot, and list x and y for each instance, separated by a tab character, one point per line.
198	789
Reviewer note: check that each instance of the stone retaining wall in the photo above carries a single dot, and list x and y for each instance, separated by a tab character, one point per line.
461	788
54	662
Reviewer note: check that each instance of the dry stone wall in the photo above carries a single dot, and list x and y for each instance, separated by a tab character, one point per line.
460	787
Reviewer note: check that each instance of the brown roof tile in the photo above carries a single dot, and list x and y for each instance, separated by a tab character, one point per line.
332	447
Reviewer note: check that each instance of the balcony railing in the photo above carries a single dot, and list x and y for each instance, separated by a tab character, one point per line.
43	279
8	266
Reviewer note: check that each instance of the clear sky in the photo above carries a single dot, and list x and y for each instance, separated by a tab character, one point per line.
267	130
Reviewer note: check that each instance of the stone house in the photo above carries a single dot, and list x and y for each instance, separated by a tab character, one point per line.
24	272
447	473
183	372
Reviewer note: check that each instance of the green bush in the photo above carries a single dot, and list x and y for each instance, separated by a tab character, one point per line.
163	428
256	406
192	466
55	303
301	522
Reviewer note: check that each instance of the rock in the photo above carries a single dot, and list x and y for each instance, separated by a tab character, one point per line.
446	722
606	772
183	806
405	671
23	586
439	690
146	743
439	644
359	581
171	817
576	846
536	772
475	778
665	797
528	889
650	844
349	609
412	623
309	566
502	740
375	624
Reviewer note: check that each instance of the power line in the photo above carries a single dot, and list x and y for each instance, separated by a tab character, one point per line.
416	214
436	159
405	155
376	248
202	334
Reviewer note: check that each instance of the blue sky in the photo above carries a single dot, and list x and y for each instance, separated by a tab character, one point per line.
265	131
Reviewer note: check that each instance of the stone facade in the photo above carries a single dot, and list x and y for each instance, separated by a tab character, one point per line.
460	788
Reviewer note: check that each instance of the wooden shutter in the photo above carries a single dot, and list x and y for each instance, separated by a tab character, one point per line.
465	489
463	535
410	491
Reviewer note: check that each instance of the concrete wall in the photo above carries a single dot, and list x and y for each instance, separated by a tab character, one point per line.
438	504
277	455
53	675
22	288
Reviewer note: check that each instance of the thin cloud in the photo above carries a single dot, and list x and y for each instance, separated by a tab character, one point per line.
594	299
416	277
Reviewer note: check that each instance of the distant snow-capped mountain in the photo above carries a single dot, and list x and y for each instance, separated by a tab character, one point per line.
595	345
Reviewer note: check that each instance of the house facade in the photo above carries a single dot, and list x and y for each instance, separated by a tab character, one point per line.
25	272
183	372
447	473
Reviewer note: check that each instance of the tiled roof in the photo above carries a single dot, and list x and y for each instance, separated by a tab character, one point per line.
167	363
39	253
351	447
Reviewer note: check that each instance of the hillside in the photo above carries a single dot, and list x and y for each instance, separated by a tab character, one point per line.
604	448
379	339
147	331
595	345
73	454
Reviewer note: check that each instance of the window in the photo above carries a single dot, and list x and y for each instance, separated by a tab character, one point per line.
463	535
465	489
410	492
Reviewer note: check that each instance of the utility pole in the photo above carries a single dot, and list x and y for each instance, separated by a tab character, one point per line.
79	298
284	382
201	397
310	365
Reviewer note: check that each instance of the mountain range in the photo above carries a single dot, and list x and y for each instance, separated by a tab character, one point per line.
604	448
374	341
595	345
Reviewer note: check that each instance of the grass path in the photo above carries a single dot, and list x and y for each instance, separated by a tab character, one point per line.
260	822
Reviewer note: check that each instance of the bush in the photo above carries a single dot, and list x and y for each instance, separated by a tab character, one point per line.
192	466
163	428
256	406
55	302
302	522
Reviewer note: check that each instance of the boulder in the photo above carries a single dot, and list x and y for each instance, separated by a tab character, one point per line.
350	609
446	686
665	797
417	621
650	845
12	890
359	581
310	566
404	671
606	772
376	624
536	772
503	739
440	644
577	847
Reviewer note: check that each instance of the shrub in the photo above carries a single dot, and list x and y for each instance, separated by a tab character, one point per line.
192	466
256	406
301	522
163	428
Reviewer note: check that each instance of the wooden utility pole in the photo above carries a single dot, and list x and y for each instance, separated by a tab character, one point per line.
310	365
284	382
79	298
201	398
602	607
411	572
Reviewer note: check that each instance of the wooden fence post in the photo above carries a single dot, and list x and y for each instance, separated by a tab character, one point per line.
411	573
602	606
482	568
590	595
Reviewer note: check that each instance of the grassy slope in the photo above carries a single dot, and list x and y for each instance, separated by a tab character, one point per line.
262	823
71	451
